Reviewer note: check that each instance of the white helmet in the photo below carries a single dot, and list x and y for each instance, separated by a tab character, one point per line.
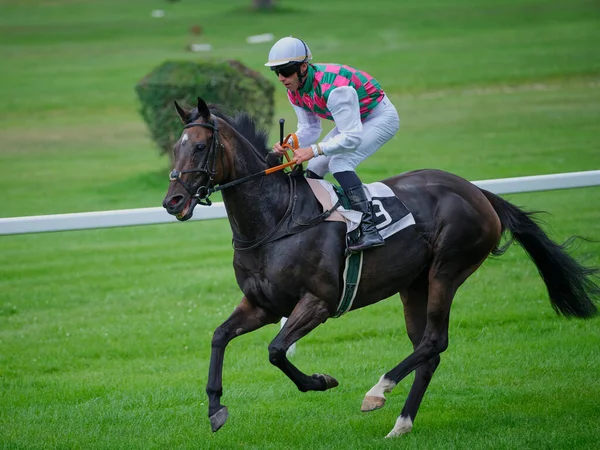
288	50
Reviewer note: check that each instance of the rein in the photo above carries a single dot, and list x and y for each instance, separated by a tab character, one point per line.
287	219
204	192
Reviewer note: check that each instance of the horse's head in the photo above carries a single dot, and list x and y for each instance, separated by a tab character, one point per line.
199	157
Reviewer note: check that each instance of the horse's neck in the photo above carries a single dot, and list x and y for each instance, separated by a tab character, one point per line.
254	208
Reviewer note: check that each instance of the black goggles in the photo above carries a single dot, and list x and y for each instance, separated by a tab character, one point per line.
286	71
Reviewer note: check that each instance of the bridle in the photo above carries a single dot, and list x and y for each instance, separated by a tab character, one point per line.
203	191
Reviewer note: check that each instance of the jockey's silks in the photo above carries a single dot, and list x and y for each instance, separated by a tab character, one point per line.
322	79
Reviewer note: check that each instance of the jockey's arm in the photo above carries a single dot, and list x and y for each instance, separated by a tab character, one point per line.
345	109
309	127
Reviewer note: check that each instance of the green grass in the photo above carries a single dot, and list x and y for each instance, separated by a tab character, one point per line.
105	334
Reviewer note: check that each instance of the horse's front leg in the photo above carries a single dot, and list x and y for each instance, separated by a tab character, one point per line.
245	318
307	315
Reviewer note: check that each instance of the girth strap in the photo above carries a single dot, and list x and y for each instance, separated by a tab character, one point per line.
352	273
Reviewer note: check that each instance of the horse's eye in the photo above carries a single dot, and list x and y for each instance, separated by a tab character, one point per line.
200	146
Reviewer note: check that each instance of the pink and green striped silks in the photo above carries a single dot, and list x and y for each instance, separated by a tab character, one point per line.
322	79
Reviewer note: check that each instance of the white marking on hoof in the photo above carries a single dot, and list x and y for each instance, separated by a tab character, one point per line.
375	398
403	425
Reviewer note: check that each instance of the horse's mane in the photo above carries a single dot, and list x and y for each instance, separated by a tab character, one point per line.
244	124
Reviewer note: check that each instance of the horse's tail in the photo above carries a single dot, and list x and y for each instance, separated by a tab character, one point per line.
570	284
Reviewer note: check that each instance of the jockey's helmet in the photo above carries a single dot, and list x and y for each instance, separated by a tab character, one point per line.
288	51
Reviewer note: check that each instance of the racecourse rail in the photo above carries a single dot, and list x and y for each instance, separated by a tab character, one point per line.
149	216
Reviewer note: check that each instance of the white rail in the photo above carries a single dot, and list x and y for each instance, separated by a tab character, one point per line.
149	216
541	182
101	219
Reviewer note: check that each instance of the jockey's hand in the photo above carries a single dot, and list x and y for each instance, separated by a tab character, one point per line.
303	154
277	148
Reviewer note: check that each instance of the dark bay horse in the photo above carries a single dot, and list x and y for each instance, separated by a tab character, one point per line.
287	264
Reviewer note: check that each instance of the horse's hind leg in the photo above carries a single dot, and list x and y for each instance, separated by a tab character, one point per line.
429	330
427	310
307	315
426	357
415	315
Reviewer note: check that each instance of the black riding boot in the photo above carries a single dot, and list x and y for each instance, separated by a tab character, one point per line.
369	236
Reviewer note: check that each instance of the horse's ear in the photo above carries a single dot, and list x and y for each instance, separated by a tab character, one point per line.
183	114
203	110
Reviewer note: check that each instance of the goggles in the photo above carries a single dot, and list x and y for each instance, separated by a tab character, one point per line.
286	71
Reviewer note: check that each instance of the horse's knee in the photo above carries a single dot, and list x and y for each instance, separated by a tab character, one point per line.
434	345
220	337
276	355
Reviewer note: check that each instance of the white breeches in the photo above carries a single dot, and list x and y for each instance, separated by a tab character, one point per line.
381	125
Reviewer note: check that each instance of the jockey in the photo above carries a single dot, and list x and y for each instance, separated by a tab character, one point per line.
364	118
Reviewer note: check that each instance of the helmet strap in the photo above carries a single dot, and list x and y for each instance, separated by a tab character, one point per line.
302	76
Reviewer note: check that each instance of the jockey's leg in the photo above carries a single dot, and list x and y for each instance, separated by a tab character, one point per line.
313	175
378	128
369	236
317	168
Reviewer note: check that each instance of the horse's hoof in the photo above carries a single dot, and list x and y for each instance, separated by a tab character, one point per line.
218	419
330	382
403	425
371	403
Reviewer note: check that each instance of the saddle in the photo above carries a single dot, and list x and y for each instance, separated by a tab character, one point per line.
391	215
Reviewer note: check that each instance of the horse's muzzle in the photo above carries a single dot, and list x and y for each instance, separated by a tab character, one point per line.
180	206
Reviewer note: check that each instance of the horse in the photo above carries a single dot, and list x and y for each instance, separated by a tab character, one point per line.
289	262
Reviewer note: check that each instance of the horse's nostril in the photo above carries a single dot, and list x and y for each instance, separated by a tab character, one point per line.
172	202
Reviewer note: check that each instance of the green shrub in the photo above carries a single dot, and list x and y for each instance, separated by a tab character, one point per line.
227	83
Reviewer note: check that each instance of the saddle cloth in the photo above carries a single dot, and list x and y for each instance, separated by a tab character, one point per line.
391	215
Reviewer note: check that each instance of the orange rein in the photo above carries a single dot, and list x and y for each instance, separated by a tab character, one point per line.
287	146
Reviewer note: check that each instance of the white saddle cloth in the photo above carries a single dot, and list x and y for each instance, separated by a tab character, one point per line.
390	213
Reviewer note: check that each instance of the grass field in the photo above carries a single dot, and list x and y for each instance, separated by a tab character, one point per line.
105	334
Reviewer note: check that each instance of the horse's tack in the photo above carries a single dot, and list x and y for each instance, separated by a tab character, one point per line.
324	199
352	273
203	192
279	231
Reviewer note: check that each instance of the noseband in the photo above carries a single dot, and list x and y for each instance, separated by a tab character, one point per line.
204	191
